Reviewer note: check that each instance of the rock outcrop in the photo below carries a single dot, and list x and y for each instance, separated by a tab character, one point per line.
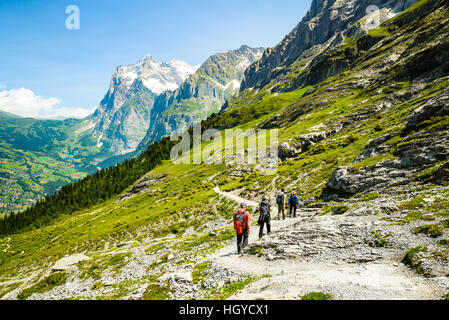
404	159
303	143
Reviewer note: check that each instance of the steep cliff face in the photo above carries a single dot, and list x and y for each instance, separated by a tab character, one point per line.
123	117
327	25
201	95
120	131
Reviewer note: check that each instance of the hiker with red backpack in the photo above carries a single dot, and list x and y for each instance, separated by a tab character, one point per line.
264	216
242	224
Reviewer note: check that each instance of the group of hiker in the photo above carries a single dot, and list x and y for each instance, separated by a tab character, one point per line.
242	218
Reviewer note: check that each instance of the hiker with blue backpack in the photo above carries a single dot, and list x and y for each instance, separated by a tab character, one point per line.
264	216
293	203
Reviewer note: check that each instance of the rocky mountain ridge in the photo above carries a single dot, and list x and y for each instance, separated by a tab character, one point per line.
326	26
201	95
144	103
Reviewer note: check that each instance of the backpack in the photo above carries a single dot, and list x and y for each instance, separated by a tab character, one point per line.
280	199
264	211
239	221
294	200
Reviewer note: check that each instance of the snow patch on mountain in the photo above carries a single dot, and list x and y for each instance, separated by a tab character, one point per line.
156	76
235	84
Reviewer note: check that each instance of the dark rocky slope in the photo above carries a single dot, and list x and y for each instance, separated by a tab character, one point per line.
326	26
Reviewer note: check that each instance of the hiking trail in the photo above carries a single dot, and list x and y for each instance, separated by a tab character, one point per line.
310	253
7	245
315	254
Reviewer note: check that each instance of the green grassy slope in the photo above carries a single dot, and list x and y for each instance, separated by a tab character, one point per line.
336	102
37	157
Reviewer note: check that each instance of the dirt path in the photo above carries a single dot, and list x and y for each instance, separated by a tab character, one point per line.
290	278
7	245
235	198
79	226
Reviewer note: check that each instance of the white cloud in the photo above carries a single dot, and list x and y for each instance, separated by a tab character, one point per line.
26	103
65	112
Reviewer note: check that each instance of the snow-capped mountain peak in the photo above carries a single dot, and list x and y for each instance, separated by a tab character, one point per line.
131	81
183	68
156	76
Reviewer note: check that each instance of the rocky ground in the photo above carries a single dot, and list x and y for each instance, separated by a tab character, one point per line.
334	254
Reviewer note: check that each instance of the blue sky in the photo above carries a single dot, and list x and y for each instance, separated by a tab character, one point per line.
68	71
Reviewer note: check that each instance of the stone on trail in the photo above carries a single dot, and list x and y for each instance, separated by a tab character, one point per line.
124	244
66	262
178	277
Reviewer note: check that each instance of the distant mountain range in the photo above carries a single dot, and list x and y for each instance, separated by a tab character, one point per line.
201	95
149	100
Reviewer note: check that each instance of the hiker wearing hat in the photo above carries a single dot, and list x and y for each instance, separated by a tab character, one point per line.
264	216
242	224
293	203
